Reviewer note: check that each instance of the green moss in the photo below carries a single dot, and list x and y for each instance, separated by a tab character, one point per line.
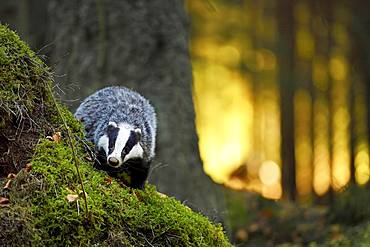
25	102
117	213
23	83
21	71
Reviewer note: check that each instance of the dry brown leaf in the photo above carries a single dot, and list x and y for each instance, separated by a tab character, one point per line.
4	201
11	176
57	136
108	180
71	197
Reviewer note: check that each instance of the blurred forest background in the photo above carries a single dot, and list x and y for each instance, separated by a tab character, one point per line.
281	93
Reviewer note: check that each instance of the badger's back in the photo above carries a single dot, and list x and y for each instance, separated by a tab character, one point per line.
120	105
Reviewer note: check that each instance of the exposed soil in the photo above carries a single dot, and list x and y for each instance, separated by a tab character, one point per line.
15	150
18	141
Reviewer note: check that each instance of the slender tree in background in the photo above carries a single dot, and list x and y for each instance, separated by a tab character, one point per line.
28	17
142	45
286	78
360	37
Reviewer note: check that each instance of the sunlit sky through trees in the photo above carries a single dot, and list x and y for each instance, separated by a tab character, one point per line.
236	94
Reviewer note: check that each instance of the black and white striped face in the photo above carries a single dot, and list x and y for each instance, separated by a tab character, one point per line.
120	143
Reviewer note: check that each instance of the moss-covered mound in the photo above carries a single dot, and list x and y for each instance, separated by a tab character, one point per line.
26	107
45	205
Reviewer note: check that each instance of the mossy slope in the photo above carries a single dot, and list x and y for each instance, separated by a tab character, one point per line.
117	215
40	213
26	107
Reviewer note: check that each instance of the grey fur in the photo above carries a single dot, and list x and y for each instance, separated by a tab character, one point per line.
120	105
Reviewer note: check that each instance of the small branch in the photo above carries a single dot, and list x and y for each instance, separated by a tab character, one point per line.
72	146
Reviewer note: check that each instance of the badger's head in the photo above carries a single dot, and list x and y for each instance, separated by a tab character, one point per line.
120	143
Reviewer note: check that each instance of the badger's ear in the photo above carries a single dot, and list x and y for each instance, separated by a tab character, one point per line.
112	124
138	134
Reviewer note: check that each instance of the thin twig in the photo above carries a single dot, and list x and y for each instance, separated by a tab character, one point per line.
72	146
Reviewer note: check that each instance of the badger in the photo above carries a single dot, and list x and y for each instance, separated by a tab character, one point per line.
122	125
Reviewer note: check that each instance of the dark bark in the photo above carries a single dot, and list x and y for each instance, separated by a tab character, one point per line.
286	79
360	37
142	45
352	131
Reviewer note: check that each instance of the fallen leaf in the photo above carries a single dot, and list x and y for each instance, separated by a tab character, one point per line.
8	184
11	176
50	138
57	137
88	158
4	201
28	167
72	198
108	180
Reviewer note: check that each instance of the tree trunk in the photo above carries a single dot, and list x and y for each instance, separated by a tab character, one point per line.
285	18
142	45
361	47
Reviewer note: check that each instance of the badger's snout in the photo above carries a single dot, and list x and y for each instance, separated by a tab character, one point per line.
113	161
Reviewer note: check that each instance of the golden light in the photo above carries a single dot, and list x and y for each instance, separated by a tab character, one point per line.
321	152
338	68
228	55
237	124
339	72
270	176
341	157
224	142
269	173
321	176
236	96
274	191
362	167
303	151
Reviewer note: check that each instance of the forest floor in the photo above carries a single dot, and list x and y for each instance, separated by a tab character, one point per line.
344	221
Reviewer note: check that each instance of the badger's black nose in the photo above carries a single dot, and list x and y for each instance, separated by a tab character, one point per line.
113	161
